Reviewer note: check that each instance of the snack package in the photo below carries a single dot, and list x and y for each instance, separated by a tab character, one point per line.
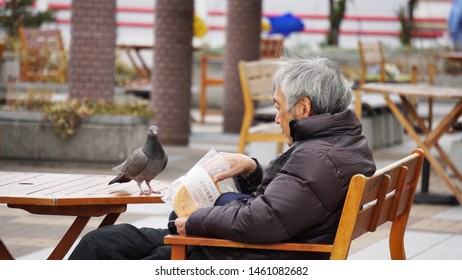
196	189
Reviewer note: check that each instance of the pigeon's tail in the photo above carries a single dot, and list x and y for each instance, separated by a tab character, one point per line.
119	179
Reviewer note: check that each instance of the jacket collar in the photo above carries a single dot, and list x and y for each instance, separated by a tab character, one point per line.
323	125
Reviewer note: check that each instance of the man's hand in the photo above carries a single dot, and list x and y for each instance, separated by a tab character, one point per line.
239	164
180	224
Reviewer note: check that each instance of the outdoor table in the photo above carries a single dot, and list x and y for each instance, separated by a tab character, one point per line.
141	67
137	61
431	135
79	195
457	56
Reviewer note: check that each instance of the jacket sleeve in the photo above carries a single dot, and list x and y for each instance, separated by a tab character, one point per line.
249	184
287	207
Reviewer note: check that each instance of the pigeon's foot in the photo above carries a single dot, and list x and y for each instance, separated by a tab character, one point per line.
150	189
153	191
145	192
148	192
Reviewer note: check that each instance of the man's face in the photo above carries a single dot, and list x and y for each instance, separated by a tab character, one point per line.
301	110
283	116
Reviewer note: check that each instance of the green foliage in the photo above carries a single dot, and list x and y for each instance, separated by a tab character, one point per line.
33	100
67	115
19	13
102	107
124	74
406	20
337	10
406	28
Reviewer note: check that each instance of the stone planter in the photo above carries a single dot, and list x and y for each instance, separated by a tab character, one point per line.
99	139
9	68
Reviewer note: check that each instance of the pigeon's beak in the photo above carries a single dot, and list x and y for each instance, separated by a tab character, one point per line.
153	130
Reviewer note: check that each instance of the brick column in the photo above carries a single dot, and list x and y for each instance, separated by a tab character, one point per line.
172	75
92	51
242	43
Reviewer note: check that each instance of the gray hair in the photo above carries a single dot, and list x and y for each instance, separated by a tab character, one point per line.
319	79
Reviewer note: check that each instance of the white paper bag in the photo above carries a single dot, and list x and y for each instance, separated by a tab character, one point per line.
196	188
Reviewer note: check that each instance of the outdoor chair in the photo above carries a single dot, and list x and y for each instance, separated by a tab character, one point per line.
257	89
371	55
43	57
270	47
370	202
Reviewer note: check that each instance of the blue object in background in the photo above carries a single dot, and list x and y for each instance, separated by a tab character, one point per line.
285	24
455	23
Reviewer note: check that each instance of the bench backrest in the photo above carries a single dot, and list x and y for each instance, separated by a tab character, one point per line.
372	201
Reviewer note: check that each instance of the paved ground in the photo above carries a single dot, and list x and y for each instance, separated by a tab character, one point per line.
434	231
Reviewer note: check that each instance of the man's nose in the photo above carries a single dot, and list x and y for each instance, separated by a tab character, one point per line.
276	119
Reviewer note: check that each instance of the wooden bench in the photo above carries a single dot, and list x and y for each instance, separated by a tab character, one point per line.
370	202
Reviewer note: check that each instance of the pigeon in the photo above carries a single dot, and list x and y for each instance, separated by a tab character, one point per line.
143	164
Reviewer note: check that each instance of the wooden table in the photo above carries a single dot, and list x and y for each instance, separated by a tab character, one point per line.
82	196
133	52
457	56
431	136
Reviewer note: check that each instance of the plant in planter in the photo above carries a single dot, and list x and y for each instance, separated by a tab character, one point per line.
35	128
67	115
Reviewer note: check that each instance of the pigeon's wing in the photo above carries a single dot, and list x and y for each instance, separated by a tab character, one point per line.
135	164
165	161
120	168
121	178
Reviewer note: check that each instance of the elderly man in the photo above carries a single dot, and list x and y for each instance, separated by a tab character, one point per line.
298	197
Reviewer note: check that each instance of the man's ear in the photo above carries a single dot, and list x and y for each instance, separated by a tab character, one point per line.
306	107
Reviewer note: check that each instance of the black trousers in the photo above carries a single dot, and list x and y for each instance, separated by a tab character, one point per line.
126	242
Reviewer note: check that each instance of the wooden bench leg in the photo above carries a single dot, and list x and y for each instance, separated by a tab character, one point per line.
178	252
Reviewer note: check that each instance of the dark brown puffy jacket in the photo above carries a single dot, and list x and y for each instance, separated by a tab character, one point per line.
301	195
